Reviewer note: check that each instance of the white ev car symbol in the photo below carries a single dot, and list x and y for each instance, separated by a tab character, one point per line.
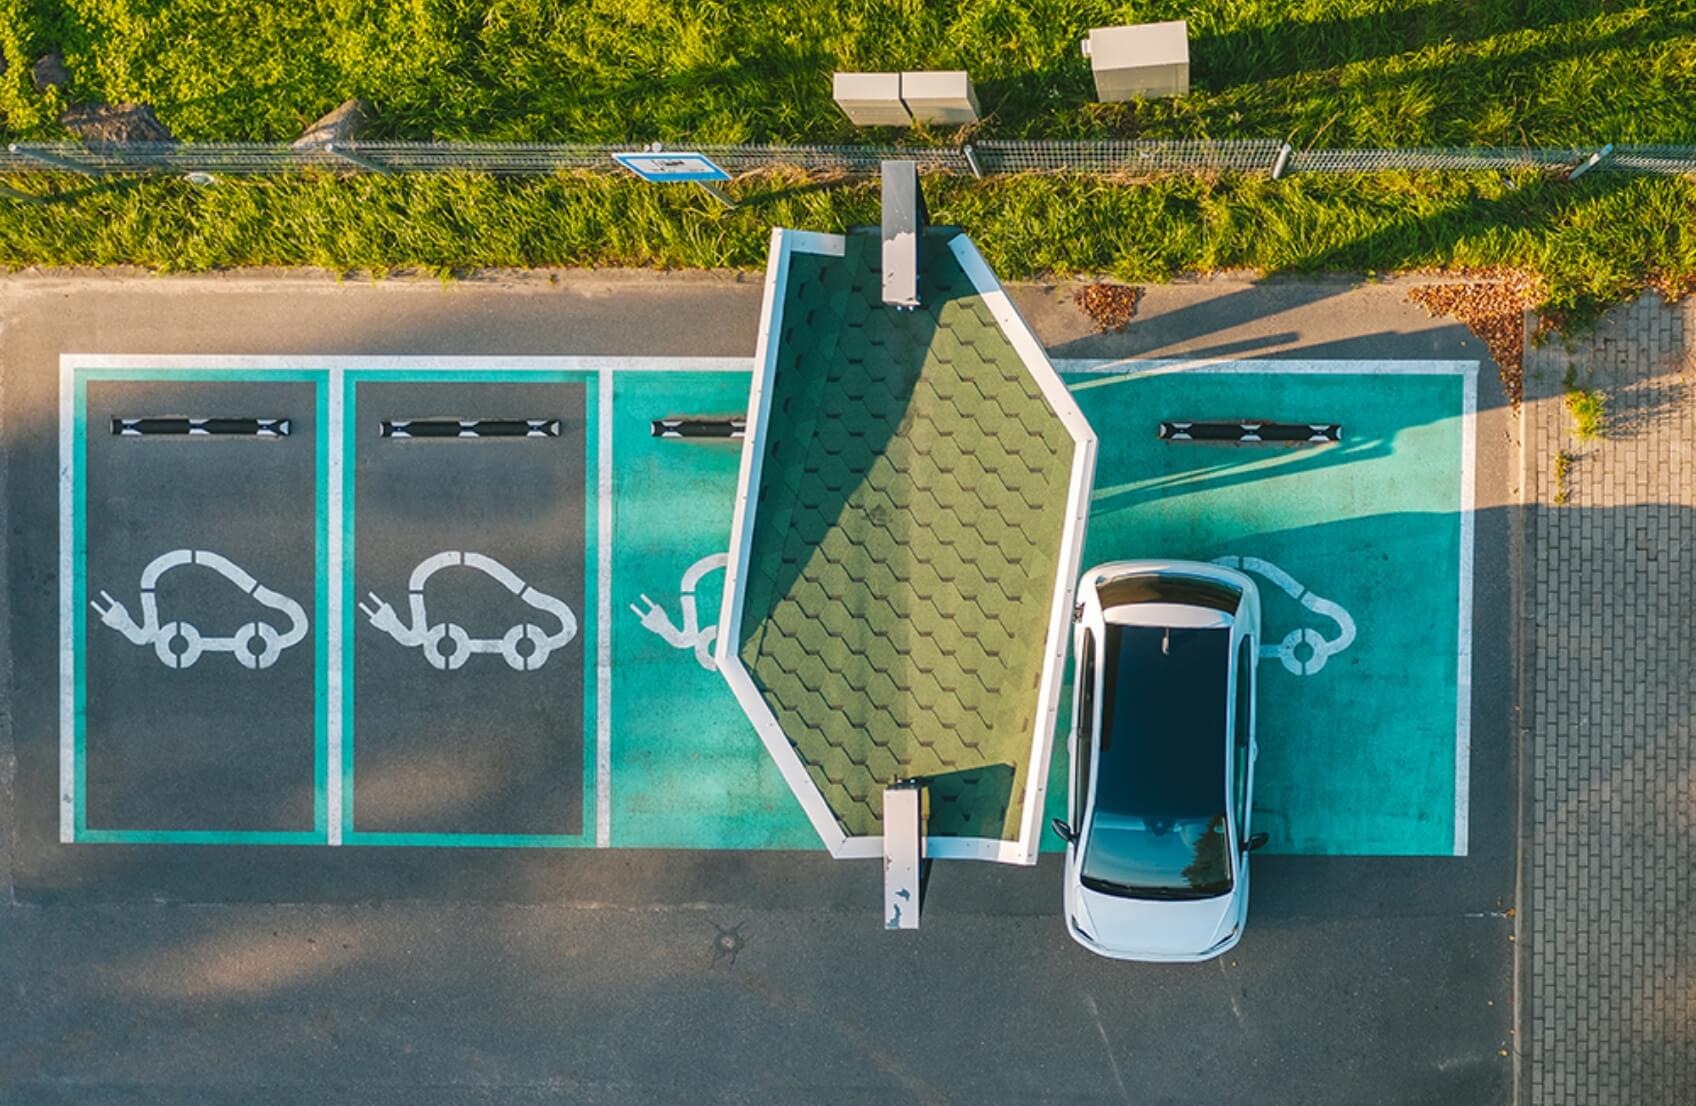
460	645
1320	648
178	644
693	635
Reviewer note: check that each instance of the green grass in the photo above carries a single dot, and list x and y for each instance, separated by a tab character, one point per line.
1588	408
1564	463
1331	72
1325	72
1596	241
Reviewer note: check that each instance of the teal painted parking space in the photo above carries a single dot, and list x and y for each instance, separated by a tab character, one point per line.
687	769
214	770
1363	733
1363	745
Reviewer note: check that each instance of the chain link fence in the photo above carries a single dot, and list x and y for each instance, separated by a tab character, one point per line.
987	158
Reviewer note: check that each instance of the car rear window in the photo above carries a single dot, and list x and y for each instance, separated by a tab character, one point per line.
1160	782
1191	591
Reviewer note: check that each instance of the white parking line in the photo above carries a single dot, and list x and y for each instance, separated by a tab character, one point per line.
67	611
603	613
333	631
1463	671
1159	366
391	363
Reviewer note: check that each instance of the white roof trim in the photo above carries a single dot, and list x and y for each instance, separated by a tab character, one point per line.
1081	483
784	244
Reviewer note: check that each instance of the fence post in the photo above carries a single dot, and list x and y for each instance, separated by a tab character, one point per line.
369	163
972	160
1594	160
55	160
1282	162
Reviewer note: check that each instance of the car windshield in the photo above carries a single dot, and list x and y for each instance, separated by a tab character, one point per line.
1157	858
1158	829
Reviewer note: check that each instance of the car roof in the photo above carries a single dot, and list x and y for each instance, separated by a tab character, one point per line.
1163	719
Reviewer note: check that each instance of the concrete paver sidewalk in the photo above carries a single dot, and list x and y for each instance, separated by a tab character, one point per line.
1609	996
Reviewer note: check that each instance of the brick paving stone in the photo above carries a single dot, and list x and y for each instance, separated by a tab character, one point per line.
1610	640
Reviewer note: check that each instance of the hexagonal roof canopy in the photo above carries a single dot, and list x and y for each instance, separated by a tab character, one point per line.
913	493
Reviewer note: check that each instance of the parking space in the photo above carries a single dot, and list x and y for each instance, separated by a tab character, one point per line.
193	603
504	633
469	504
687	769
507	640
1362	549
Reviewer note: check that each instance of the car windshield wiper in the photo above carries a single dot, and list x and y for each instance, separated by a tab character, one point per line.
1125	890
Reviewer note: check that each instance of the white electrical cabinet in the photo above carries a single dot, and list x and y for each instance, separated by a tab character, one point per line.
871	99
1147	59
942	96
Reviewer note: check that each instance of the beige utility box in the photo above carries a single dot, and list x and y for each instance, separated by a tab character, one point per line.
1147	59
940	96
871	99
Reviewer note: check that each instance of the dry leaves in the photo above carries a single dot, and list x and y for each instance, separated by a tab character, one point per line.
1494	310
1109	306
1673	286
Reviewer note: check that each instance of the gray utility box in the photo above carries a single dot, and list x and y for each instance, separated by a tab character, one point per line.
871	99
1148	59
940	96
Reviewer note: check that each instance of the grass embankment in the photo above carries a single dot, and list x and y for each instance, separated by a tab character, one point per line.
1326	72
1331	72
1595	240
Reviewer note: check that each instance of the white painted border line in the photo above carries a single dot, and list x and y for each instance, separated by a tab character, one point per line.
741	682
1463	664
1161	365
333	766
603	612
67	613
394	363
1025	849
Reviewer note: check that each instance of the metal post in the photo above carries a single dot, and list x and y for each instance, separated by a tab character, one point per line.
718	194
55	160
1594	160
972	160
903	854
1283	162
368	163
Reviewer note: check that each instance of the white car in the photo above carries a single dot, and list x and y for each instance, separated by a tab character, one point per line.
1162	747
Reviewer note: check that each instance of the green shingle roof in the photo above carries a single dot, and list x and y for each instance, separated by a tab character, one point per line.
907	529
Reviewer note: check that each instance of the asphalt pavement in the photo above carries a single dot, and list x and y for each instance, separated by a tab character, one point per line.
171	973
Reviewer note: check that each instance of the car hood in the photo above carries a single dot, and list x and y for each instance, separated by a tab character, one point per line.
1144	927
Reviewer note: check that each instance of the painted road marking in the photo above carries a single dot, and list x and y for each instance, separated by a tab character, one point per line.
331	493
603	612
70	557
184	750
178	644
446	645
1390	509
494	756
1463	676
1315	648
699	808
691	634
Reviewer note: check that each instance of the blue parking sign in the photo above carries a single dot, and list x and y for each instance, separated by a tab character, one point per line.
671	166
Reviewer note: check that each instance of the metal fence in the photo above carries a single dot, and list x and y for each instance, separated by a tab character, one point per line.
987	158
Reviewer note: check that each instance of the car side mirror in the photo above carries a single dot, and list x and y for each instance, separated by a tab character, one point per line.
1065	830
1257	840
